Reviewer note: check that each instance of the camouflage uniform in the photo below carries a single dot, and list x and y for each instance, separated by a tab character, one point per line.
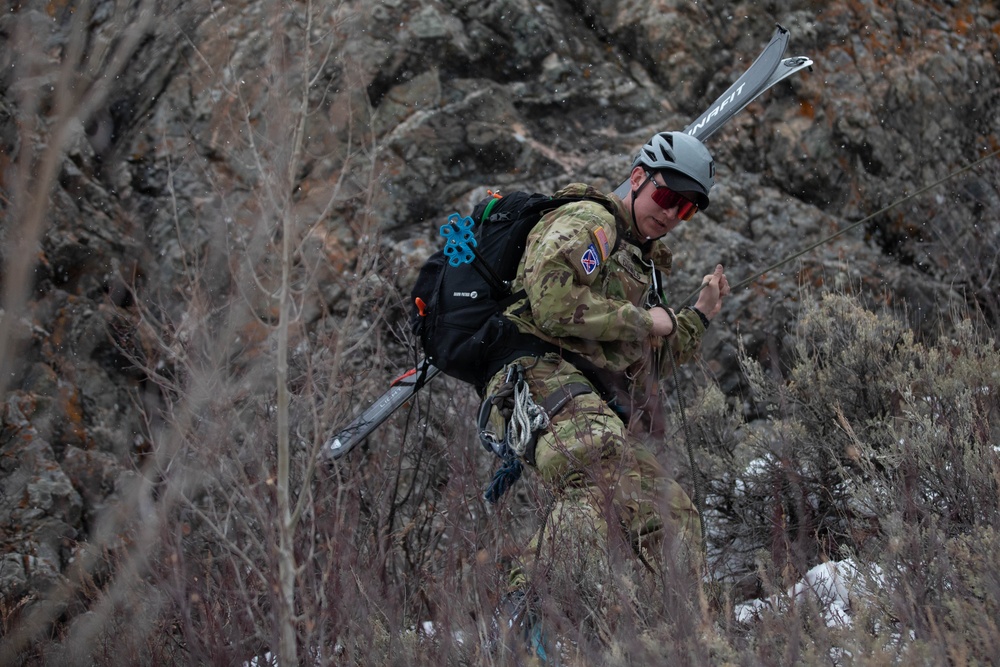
588	296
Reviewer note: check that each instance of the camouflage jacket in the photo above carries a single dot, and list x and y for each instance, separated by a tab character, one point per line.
587	282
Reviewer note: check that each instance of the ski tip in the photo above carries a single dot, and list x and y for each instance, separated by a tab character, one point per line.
334	449
797	61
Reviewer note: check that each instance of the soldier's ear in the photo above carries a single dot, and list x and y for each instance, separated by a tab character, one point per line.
637	177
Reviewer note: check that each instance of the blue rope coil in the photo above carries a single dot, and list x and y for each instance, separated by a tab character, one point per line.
504	478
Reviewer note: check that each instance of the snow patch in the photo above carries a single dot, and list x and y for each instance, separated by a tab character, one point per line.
831	585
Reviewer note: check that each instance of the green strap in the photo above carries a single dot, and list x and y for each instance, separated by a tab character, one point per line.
486	211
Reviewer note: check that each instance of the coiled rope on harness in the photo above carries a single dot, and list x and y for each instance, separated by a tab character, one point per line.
528	418
524	420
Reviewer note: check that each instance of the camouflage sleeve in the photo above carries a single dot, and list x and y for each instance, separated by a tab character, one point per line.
562	259
686	342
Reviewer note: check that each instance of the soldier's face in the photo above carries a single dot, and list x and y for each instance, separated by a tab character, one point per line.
651	220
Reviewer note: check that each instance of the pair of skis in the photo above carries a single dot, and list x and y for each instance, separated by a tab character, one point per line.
768	69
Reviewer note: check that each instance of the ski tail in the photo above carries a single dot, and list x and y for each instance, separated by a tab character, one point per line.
768	69
401	390
788	67
752	83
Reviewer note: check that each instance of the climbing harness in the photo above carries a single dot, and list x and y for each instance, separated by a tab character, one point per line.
523	420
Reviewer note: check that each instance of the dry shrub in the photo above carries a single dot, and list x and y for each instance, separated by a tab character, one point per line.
879	448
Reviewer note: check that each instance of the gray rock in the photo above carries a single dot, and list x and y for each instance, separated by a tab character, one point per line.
162	241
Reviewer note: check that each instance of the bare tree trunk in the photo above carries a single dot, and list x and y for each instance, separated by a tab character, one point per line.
76	96
288	650
288	636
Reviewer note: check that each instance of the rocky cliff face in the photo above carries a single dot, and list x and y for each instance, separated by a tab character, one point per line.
151	247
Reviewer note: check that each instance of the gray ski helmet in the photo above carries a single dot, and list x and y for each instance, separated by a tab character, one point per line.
686	164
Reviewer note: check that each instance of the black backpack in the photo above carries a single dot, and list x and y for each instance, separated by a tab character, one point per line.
457	310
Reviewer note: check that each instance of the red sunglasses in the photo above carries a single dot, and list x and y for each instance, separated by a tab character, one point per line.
668	199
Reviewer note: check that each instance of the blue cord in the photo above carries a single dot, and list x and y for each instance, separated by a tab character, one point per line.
503	479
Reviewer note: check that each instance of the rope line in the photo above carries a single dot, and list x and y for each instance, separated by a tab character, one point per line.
695	472
747	281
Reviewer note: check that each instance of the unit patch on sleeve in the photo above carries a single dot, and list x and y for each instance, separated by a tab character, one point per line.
589	260
601	239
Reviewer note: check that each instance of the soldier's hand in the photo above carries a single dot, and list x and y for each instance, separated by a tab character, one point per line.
716	286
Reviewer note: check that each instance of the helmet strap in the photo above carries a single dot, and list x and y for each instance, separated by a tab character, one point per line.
634	231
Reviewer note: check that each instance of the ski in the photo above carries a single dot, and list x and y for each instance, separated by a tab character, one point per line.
768	69
737	98
400	391
747	88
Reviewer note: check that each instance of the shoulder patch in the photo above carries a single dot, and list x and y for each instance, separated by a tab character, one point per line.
590	260
601	241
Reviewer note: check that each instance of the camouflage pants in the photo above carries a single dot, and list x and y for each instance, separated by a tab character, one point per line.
600	476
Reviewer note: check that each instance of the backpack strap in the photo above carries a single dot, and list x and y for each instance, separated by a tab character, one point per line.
546	207
522	344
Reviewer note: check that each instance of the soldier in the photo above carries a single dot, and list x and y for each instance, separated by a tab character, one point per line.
592	279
